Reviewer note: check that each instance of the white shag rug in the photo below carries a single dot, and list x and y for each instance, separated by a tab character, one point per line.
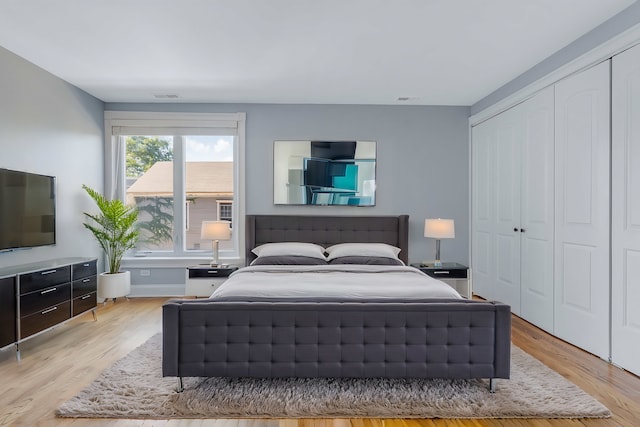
134	388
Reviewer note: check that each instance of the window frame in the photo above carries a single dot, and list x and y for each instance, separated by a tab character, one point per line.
120	123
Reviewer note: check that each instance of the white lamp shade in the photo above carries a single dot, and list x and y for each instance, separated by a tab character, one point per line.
438	228
215	230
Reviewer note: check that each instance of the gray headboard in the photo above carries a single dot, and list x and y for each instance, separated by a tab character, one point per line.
327	231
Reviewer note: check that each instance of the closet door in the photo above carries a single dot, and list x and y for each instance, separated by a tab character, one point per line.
483	150
582	210
537	210
507	208
625	220
495	203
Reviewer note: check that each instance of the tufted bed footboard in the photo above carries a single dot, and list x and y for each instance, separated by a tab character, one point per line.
418	339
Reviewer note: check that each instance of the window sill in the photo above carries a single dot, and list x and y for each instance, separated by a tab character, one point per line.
174	262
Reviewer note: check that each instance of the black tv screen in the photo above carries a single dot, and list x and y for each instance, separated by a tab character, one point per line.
27	210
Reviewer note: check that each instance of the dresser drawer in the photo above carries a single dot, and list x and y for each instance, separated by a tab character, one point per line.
44	319
84	269
44	279
200	272
84	286
456	273
84	303
203	287
39	300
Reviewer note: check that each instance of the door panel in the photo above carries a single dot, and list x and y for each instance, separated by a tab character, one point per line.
537	210
512	190
625	221
483	221
581	264
507	251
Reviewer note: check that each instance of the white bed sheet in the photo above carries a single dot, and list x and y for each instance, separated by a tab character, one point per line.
345	281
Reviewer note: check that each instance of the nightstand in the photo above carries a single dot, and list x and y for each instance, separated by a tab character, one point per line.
202	280
456	275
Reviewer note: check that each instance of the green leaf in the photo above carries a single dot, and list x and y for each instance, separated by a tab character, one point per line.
113	227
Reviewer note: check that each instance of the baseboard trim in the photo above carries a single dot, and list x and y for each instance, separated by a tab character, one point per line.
157	290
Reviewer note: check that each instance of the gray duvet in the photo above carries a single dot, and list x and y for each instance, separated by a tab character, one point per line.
341	282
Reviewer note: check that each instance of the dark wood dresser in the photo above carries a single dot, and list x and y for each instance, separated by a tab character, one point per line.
46	294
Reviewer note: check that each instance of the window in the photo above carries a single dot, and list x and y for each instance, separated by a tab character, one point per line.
180	170
225	211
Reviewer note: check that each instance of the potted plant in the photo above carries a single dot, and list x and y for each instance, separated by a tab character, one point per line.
114	229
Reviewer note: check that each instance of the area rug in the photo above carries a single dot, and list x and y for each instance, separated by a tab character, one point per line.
134	388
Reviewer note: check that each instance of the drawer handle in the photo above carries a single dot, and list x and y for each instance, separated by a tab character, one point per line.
46	291
86	296
85	265
440	272
48	272
86	280
212	271
50	310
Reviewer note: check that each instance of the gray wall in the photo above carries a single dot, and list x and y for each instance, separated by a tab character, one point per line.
422	160
50	127
614	26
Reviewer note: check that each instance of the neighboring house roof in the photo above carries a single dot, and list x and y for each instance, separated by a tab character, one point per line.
203	179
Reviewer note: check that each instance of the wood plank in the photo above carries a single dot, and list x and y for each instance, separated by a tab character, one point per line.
58	364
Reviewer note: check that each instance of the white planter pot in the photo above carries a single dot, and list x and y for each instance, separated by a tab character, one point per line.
114	285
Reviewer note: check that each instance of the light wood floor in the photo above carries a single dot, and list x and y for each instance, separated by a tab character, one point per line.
58	364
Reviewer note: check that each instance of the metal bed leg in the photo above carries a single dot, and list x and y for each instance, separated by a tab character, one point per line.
17	352
95	316
492	385
180	385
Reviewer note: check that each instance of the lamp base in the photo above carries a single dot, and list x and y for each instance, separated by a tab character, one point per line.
215	262
437	262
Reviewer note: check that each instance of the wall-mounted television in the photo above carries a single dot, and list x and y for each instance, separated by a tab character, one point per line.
27	210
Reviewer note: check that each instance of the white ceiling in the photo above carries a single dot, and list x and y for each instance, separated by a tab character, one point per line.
436	52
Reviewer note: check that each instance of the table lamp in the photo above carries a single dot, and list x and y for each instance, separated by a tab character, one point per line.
437	228
215	231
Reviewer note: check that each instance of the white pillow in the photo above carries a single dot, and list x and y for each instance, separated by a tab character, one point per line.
290	249
362	249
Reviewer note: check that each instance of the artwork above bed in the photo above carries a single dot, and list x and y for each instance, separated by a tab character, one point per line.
324	173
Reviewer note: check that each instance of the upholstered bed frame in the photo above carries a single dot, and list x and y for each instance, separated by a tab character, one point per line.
432	338
327	231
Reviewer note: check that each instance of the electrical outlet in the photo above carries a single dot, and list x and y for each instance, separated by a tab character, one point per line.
145	272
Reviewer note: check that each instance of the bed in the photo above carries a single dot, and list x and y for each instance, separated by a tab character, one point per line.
402	336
